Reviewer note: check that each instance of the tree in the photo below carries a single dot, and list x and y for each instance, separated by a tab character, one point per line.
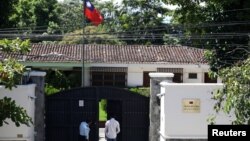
137	21
219	25
235	96
34	16
6	9
222	27
92	35
10	73
70	16
9	110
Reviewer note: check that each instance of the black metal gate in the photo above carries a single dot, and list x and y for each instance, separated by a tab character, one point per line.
65	111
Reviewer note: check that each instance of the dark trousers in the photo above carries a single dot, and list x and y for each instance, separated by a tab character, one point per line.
82	138
111	139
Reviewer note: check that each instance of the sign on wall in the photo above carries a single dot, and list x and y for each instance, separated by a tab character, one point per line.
191	105
81	103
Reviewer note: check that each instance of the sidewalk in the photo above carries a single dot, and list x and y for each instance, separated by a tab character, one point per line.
101	134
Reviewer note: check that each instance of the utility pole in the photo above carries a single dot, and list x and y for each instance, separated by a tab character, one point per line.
83	44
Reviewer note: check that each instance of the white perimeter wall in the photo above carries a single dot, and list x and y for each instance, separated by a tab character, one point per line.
176	122
24	97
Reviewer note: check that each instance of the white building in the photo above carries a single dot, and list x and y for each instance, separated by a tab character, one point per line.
121	65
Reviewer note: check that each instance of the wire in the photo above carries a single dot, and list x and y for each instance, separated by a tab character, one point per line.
139	33
53	38
189	25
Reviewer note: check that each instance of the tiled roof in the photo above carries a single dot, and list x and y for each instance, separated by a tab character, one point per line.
115	54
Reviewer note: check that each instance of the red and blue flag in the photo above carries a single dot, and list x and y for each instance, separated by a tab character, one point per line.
92	14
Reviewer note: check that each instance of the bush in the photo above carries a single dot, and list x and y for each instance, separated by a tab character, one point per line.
145	91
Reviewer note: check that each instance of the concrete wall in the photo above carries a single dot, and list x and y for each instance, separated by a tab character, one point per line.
24	95
185	109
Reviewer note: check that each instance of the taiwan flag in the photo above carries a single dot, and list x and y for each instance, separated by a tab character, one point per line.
92	14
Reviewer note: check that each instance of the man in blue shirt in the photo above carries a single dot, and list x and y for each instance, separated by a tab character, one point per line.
84	130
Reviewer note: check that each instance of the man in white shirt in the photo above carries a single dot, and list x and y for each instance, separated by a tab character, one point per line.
112	128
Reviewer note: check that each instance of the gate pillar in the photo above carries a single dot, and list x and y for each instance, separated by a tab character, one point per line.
38	78
154	104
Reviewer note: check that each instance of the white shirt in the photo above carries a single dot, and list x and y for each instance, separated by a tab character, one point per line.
112	128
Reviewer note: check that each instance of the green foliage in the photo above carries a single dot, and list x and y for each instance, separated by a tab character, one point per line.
49	90
34	15
145	91
10	73
208	24
57	80
17	114
45	11
211	119
24	14
169	40
102	110
15	46
53	28
137	21
93	35
6	9
70	16
10	70
103	103
235	97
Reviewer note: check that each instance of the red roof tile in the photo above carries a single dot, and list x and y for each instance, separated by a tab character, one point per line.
115	54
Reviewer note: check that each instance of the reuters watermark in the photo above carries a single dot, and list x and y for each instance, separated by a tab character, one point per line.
241	132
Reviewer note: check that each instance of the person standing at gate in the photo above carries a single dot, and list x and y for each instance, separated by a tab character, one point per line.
84	130
112	128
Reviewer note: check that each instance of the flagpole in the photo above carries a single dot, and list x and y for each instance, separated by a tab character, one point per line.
83	44
95	17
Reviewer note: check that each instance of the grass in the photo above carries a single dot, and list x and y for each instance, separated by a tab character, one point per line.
102	112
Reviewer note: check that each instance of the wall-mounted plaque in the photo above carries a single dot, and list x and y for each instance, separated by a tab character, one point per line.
81	103
191	105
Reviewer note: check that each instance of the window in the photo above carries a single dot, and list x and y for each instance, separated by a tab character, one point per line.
146	79
192	75
178	72
117	79
177	78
